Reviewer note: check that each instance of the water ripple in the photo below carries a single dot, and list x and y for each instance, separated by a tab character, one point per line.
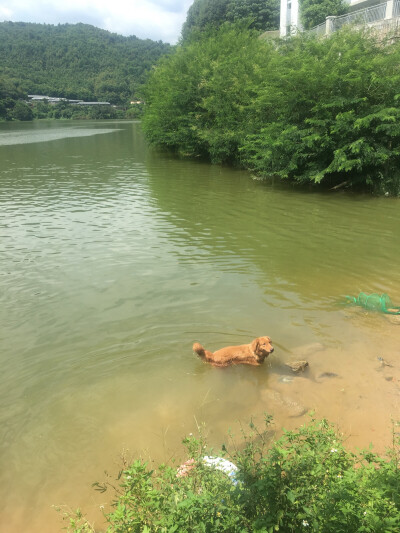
114	259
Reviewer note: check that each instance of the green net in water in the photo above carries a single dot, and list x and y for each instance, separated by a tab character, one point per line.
374	302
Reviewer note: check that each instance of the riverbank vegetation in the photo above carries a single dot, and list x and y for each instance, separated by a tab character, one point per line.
74	61
304	481
316	111
68	110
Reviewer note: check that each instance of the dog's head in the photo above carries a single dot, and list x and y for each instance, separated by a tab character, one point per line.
261	348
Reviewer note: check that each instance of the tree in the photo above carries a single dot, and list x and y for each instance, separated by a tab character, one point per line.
10	92
199	100
22	111
41	110
111	88
330	113
204	13
309	110
314	12
261	14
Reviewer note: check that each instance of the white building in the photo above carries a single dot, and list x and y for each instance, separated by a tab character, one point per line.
290	17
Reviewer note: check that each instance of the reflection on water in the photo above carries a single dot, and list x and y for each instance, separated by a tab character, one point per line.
26	137
115	259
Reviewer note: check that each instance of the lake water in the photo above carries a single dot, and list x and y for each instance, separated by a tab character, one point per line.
116	258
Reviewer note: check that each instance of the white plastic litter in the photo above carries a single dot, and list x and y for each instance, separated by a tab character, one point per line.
225	466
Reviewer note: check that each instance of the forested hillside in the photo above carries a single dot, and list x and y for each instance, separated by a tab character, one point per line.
74	61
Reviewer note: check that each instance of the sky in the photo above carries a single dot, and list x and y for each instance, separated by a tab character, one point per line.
160	20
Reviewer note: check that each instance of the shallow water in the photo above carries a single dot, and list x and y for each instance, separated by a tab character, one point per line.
116	258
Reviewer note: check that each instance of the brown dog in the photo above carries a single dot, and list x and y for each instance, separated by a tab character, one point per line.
249	354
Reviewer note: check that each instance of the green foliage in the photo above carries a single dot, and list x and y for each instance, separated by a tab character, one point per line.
305	479
21	111
314	12
308	479
10	93
308	110
135	111
262	14
332	113
203	13
199	100
76	61
75	519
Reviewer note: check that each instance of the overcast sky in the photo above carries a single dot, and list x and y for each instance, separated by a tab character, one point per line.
147	19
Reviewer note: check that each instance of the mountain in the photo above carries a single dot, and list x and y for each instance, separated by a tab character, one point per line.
76	61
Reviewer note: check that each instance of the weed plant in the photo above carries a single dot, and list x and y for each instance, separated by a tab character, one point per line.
304	481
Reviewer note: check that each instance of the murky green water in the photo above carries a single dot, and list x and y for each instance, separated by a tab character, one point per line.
116	258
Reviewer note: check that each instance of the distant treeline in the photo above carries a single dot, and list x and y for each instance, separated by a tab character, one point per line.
76	61
68	110
305	109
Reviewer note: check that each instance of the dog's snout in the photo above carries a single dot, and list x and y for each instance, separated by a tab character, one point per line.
272	349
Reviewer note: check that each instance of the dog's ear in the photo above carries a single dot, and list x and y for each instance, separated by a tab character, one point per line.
254	345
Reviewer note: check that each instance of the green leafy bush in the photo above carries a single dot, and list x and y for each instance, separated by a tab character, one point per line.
199	100
332	113
305	109
11	94
304	481
21	111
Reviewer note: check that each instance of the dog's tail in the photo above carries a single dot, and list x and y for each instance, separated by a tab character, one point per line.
198	348
202	353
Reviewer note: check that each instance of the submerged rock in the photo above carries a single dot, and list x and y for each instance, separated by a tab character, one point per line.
328	375
297	366
289	405
308	349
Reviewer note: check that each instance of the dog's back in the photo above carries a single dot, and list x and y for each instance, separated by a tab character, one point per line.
252	354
